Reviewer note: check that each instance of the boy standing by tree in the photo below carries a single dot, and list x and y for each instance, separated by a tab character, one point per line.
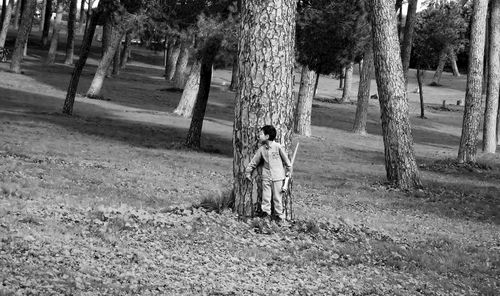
271	156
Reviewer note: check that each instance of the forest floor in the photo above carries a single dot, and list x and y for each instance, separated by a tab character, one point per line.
101	202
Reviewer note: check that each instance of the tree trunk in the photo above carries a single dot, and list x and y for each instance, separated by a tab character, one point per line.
191	90
4	8
77	71
470	126
420	92
266	83
443	56
81	17
46	23
22	36
207	60
126	51
17	14
304	102
96	85
491	110
42	15
453	62
400	163
173	56
364	92
116	59
180	67
107	30
51	56
408	37
70	44
6	23
234	74
346	93
341	79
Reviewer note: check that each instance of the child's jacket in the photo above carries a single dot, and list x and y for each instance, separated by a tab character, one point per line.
272	156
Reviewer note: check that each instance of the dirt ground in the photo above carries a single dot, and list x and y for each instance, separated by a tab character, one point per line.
100	203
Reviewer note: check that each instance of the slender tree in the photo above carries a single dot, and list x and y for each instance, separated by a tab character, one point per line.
51	55
17	13
174	49
303	110
470	126
180	67
346	93
126	50
117	59
400	163
22	36
234	74
453	61
191	90
443	56
4	8
265	85
6	23
491	110
46	23
364	92
70	44
81	15
408	36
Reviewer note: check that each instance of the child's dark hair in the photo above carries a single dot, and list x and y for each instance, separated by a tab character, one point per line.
270	131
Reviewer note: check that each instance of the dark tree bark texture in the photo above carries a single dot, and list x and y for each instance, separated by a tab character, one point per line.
22	36
364	92
70	44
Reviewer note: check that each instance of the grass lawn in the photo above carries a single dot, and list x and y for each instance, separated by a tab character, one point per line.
100	203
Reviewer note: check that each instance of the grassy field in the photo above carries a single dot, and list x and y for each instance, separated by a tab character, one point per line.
100	203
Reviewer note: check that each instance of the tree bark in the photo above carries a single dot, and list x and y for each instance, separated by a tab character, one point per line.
400	163
453	62
207	60
22	36
116	59
126	50
173	56
265	94
420	92
70	44
42	15
443	56
77	71
408	36
17	13
180	67
493	91
234	74
6	23
4	8
470	126
107	30
341	79
346	93
81	17
51	56
304	102
46	23
364	92
191	90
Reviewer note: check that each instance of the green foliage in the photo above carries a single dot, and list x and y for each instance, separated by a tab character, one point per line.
331	33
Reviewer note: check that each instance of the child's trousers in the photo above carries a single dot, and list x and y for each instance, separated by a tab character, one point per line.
272	188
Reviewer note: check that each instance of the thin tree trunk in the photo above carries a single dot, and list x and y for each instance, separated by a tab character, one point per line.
17	14
420	92
364	92
400	163
491	110
96	85
304	102
4	8
107	30
341	79
6	23
234	74
180	67
208	56
173	56
126	51
190	92
42	15
346	93
51	56
77	71
453	62
70	44
470	127
81	17
116	60
46	23
22	36
266	82
408	36
443	56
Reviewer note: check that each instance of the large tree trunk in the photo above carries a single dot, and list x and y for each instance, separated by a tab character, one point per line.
234	74
77	71
46	23
51	56
208	55
265	94
491	110
453	62
408	37
400	163
364	92
304	102
70	44
109	54
180	67
22	36
443	56
190	92
6	23
174	49
17	13
346	93
472	111
125	51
